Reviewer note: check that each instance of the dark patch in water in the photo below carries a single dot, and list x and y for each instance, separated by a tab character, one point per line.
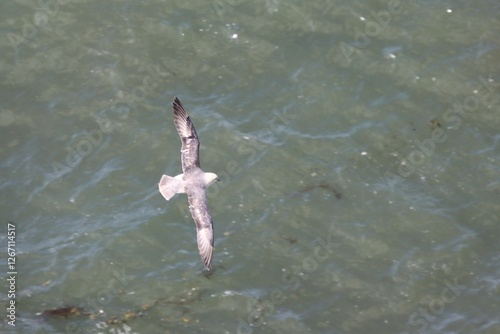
74	311
65	312
322	185
291	240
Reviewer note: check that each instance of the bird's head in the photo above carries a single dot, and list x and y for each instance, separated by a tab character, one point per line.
211	178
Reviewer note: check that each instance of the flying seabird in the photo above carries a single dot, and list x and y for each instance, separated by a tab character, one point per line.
193	182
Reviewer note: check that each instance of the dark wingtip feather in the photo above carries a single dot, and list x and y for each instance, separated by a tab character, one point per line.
176	101
177	104
179	108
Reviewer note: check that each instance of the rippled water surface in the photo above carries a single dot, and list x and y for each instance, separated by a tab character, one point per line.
357	145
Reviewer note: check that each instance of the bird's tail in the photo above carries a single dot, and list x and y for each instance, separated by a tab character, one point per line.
169	186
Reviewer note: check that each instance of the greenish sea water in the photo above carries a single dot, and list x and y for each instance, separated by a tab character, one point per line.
357	145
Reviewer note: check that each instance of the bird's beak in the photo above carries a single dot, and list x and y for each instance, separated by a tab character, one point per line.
217	179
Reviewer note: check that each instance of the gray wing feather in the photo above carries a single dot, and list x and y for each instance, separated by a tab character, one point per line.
189	138
204	226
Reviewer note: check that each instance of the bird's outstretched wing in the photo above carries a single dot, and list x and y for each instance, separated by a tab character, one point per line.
204	226
190	144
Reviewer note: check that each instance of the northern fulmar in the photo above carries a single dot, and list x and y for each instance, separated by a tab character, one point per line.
193	182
